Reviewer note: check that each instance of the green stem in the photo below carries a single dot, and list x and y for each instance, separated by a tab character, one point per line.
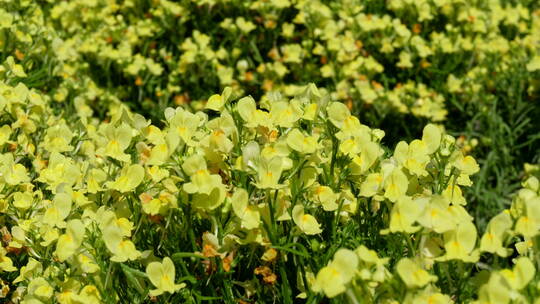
352	296
190	227
410	245
109	270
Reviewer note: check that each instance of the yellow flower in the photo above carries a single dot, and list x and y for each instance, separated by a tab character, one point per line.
301	143
248	214
404	214
436	215
338	113
6	264
495	291
285	114
94	179
332	279
371	185
211	200
431	137
183	123
371	265
58	138
23	200
158	174
122	249
58	211
114	230
534	64
12	173
454	195
414	157
253	117
244	26
466	165
369	154
528	222
88	294
159	205
292	53
493	238
269	173
158	154
18	235
162	275
39	289
201	180
460	242
16	69
130	177
521	275
6	19
404	60
49	234
307	223
5	133
118	139
412	274
326	197
428	295
216	102
87	264
60	170
33	268
395	185
69	242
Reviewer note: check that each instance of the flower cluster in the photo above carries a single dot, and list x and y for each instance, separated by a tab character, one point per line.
511	234
81	197
123	179
404	56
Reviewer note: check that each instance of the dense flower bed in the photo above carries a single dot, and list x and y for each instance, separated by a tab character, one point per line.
125	178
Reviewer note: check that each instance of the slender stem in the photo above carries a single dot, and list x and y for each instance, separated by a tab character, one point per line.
352	296
410	244
190	227
109	270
